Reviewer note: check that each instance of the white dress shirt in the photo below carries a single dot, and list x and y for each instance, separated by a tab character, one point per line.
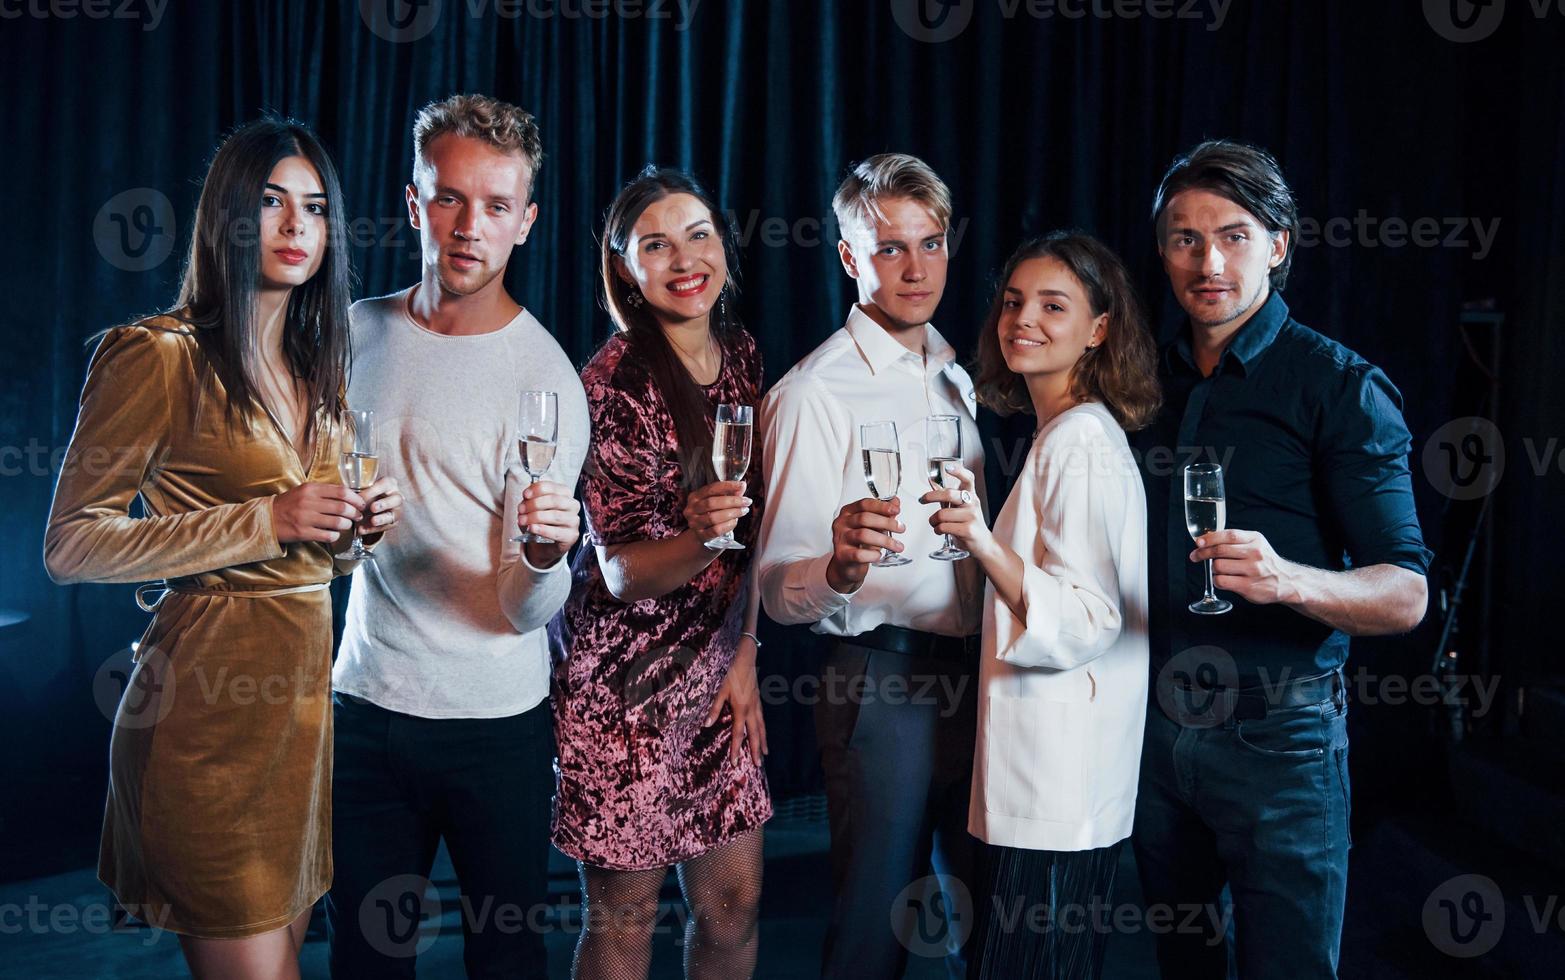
1063	692
813	465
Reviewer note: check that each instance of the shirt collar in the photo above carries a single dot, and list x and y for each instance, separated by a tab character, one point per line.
881	350
1249	343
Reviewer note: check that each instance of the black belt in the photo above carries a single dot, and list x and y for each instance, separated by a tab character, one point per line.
1253	703
916	643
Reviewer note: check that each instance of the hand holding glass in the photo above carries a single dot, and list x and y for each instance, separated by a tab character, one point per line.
731	440
1206	511
357	465
883	474
943	444
537	433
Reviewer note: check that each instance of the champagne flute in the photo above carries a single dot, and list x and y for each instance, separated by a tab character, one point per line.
943	444
883	473
731	440
537	434
1206	511
357	464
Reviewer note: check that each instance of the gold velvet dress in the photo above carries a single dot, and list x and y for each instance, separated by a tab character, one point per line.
218	821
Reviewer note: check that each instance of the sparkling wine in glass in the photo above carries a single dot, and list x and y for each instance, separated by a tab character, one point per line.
1205	512
732	437
943	443
883	474
357	464
537	434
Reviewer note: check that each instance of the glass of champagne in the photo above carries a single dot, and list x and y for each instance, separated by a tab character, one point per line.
357	464
731	440
537	434
1205	512
943	444
883	473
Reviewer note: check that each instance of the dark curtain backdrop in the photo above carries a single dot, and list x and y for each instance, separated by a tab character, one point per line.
1036	123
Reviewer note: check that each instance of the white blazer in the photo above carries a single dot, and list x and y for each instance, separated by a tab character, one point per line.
1063	693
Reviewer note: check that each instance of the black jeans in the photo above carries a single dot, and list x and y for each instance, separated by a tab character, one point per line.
1261	806
401	783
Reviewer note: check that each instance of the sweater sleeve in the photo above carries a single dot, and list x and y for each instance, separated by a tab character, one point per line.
531	596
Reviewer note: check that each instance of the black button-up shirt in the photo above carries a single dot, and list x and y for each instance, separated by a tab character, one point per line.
1315	457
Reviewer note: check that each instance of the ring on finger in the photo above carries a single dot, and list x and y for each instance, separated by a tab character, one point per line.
967	497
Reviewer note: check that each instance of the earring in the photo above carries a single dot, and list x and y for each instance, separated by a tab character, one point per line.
722	305
634	298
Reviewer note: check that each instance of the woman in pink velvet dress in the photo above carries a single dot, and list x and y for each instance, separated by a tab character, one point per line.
657	715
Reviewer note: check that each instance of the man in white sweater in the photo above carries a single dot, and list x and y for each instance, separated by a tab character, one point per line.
442	680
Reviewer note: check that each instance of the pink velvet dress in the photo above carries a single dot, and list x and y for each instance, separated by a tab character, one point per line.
641	780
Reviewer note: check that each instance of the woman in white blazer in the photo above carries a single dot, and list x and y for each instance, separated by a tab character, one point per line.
1063	675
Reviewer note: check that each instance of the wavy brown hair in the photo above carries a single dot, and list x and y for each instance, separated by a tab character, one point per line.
1120	372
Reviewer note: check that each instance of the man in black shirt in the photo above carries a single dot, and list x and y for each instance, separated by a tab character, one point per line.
1244	777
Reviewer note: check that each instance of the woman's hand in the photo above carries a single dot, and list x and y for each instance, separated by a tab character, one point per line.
743	698
964	518
315	512
382	499
714	510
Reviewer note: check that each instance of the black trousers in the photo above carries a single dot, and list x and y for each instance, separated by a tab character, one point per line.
1045	914
399	785
896	734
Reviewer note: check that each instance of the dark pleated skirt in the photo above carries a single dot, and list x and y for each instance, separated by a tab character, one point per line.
1046	914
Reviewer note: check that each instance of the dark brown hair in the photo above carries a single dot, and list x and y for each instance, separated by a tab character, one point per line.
223	274
687	403
1120	372
1244	174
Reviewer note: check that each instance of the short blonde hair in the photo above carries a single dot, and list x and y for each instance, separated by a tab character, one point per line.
888	175
505	127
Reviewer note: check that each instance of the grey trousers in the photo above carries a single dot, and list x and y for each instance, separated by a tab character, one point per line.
896	734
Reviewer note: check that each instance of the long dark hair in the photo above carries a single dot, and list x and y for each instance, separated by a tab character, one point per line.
687	403
223	274
1120	372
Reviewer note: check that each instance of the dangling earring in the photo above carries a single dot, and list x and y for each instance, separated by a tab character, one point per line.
634	298
722	304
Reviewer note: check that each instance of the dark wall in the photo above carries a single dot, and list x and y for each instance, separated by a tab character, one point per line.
1376	112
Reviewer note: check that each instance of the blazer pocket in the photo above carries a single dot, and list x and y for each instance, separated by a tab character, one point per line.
1037	755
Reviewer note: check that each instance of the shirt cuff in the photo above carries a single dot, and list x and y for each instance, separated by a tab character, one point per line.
819	596
521	555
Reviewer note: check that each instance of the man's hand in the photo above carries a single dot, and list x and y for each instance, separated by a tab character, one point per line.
548	511
1245	564
860	531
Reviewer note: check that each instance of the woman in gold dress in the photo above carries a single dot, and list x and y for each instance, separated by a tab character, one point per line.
225	416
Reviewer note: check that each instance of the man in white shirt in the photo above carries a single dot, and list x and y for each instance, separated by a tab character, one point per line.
441	711
896	714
